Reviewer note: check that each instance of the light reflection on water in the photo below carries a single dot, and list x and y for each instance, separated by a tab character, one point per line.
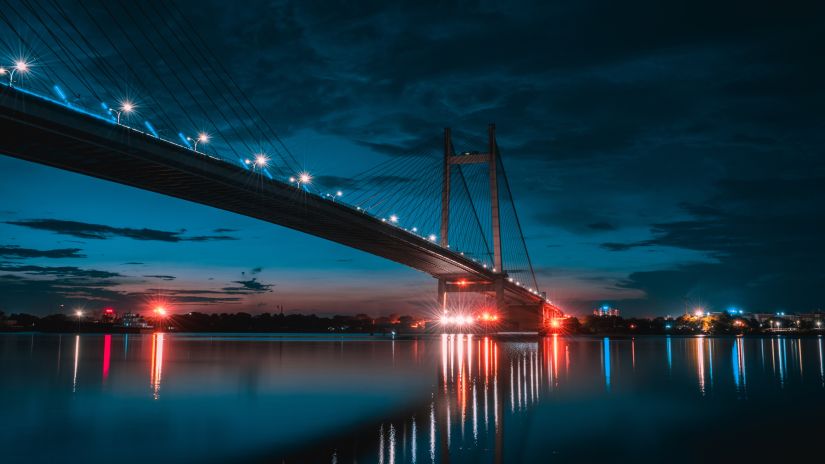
449	398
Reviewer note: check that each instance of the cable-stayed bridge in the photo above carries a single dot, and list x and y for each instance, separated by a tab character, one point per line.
446	212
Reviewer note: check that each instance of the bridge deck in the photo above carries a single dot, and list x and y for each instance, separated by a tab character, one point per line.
49	133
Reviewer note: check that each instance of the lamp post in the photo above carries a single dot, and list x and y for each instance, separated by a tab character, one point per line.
203	137
125	107
20	66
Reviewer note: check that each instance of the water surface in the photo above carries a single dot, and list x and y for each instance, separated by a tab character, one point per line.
452	398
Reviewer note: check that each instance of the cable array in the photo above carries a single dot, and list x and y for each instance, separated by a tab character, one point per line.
164	80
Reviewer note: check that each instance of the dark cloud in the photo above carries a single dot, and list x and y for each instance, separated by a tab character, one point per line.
102	232
62	271
161	277
763	242
256	270
223	231
12	251
248	286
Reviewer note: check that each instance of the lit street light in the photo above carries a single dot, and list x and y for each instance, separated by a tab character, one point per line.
203	137
261	161
125	107
19	66
303	178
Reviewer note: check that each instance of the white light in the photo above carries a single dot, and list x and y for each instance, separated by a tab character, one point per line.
415	229
291	179
304	178
78	313
393	218
432	237
127	107
21	66
2	71
261	160
203	137
339	193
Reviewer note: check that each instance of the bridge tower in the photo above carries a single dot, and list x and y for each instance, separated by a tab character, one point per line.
491	160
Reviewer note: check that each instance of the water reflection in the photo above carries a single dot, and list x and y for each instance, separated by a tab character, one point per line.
156	370
738	363
76	362
452	398
107	355
529	374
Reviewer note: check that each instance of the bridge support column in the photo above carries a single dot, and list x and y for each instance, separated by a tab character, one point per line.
498	288
442	295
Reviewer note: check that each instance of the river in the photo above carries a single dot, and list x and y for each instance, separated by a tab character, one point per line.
300	398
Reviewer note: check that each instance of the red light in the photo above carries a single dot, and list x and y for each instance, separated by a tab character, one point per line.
109	311
462	283
555	323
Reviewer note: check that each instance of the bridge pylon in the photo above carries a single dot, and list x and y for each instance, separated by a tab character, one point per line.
491	159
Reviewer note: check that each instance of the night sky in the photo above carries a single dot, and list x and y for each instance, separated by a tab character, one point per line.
661	154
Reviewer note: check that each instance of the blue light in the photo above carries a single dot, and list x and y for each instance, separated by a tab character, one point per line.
668	326
741	312
60	93
151	128
185	142
605	307
52	100
243	163
266	171
607	363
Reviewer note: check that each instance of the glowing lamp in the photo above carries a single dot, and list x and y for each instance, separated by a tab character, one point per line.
261	160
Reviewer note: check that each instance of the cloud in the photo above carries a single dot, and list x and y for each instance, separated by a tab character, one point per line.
763	246
63	271
103	232
12	251
248	286
162	277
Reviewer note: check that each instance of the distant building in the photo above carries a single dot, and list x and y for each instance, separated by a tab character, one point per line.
605	310
134	320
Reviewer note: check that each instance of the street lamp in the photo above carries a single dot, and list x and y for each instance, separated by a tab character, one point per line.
203	137
19	66
261	161
303	178
125	107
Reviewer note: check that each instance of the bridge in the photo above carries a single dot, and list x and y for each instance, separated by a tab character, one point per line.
466	255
